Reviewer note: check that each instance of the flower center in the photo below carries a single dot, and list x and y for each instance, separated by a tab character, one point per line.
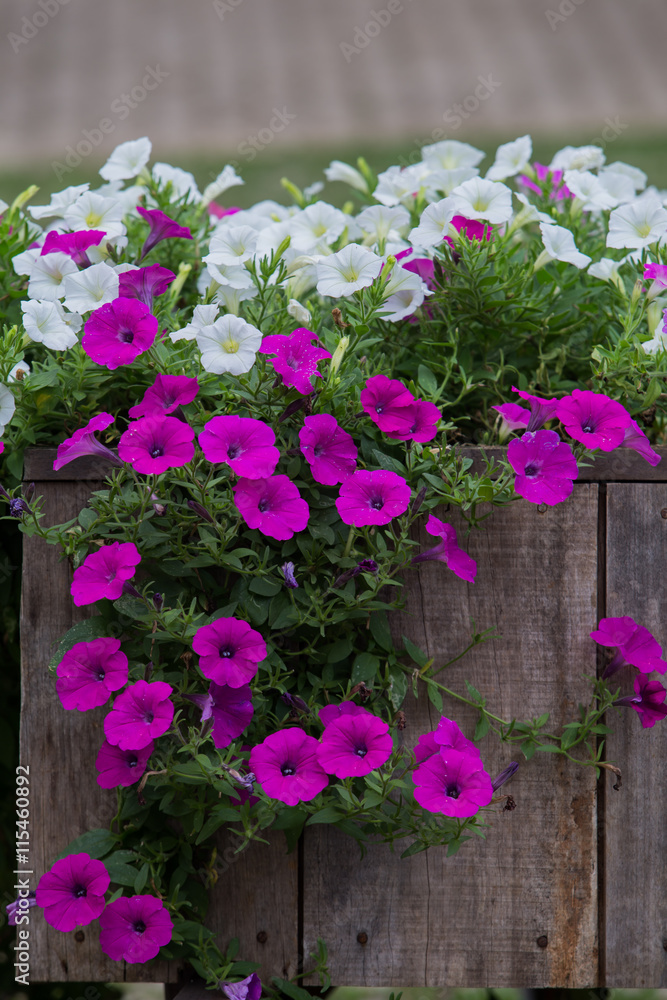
156	451
361	751
453	791
233	451
317	450
588	427
148	717
377	503
126	336
132	761
140	926
531	469
100	675
230	346
263	505
292	363
287	770
225	651
79	891
93	219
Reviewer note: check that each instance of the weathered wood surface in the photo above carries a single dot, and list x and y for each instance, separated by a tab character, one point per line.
635	818
256	892
549	870
475	919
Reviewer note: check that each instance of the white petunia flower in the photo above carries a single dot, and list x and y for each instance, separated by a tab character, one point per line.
479	198
396	186
126	197
127	160
587	188
658	341
347	271
3	206
229	345
379	223
45	322
20	370
7	406
637	224
450	154
619	185
636	176
511	158
559	245
446	180
204	316
339	171
233	245
24	263
404	293
91	288
528	213
94	211
270	237
315	188
227	178
230	275
433	224
318	222
577	158
182	181
298	312
48	274
231	298
60	202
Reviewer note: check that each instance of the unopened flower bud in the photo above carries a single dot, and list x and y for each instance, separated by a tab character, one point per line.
505	775
338	354
290	579
158	601
199	509
296	703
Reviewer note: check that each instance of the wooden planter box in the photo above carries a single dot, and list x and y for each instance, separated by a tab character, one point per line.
569	889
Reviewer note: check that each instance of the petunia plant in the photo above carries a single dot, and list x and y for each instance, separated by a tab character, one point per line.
274	396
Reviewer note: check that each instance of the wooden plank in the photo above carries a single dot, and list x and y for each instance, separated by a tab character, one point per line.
622	465
635	826
476	919
255	898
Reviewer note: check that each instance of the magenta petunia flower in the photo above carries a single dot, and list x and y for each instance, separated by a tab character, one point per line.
447	550
472	229
636	439
452	783
273	506
152	445
121	768
515	418
74	244
19	906
424	426
164	396
355	744
594	419
295	357
330	713
144	283
89	672
329	450
118	332
541	409
140	714
243	443
550	181
229	651
134	928
104	572
72	892
161	228
652	272
648	701
249	988
545	467
426	747
449	735
287	768
231	710
636	646
388	403
372	497
423	266
84	442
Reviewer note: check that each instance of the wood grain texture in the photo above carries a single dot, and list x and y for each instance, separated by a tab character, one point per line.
256	891
635	867
474	919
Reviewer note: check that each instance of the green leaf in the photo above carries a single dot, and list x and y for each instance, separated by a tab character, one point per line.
132	607
398	686
414	652
142	878
290	990
549	748
482	727
291	822
542	721
379	626
474	693
435	697
389	463
121	874
330	814
264	587
96	842
413	849
339	650
85	631
427	380
87	517
366	667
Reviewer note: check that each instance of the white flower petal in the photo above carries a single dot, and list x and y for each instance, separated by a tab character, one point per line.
127	160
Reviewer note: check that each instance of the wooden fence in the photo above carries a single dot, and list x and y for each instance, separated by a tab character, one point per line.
568	890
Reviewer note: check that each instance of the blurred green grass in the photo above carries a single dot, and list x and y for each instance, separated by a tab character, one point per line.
304	165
